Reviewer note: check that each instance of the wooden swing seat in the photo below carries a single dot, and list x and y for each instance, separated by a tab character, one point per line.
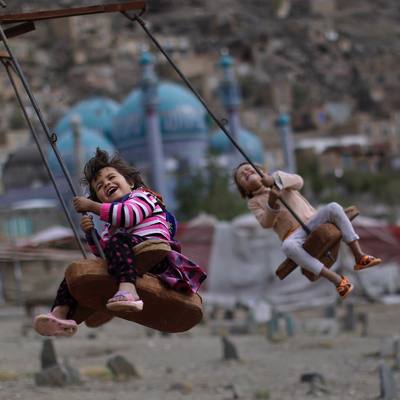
40	10
326	238
164	309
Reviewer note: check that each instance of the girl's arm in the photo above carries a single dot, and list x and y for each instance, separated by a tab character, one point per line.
288	181
128	213
264	213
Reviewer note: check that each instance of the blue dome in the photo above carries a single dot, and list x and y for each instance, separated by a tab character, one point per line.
90	140
96	113
182	116
249	142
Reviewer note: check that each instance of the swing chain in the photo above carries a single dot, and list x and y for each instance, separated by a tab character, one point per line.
3	3
53	138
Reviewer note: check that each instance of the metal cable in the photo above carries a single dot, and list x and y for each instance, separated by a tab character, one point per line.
46	129
8	66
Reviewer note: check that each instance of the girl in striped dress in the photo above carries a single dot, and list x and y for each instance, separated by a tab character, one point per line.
132	214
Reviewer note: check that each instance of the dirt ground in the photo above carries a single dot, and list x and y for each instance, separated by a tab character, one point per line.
190	365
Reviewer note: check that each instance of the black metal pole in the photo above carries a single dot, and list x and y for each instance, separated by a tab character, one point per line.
51	138
142	23
7	66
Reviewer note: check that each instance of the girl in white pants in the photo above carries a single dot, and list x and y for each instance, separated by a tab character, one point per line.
263	193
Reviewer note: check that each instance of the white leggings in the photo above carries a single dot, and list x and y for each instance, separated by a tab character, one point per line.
293	245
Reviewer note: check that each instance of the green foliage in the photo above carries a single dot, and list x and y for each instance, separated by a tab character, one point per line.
208	190
381	187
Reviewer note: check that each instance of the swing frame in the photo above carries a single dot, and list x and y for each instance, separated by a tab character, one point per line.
10	60
24	16
166	310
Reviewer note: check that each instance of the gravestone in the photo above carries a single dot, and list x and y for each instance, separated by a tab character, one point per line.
229	350
387	383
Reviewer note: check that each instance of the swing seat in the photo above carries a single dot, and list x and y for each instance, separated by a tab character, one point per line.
326	238
164	309
149	253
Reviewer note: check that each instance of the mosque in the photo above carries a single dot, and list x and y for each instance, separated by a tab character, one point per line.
159	128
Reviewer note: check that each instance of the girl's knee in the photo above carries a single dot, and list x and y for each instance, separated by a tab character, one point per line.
335	208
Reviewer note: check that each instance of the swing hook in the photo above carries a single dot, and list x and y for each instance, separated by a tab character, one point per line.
53	138
136	17
3	3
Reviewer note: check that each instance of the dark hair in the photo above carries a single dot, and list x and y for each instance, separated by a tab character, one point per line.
242	192
102	160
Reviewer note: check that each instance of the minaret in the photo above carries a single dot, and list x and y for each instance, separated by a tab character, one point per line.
148	84
285	130
231	99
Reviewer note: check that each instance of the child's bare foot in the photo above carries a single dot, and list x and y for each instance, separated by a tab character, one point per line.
366	261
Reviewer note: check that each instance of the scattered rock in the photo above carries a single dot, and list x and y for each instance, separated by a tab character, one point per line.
182	387
57	376
121	368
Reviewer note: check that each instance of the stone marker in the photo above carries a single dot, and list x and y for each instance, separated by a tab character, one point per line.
330	311
54	374
48	357
229	350
387	383
349	321
121	368
363	319
396	348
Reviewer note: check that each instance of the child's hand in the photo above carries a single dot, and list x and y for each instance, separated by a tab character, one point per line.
82	204
87	223
273	197
267	180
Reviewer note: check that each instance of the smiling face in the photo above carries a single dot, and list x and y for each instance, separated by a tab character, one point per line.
110	185
247	178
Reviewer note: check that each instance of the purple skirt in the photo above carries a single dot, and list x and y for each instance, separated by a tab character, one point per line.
175	271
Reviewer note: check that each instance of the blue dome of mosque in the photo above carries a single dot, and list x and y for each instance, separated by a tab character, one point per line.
95	113
182	116
249	142
90	140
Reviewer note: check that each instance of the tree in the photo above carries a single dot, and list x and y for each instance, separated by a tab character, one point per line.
208	190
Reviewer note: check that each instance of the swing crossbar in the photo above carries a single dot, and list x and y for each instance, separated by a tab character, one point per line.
33	11
326	238
19	29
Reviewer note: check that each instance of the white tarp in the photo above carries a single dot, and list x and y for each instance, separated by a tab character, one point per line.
244	258
242	267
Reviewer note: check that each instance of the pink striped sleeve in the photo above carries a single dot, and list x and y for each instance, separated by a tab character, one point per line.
104	211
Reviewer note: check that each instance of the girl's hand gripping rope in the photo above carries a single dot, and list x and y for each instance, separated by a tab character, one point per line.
87	223
82	204
267	180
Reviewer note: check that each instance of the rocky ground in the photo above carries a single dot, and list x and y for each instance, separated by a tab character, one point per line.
191	365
